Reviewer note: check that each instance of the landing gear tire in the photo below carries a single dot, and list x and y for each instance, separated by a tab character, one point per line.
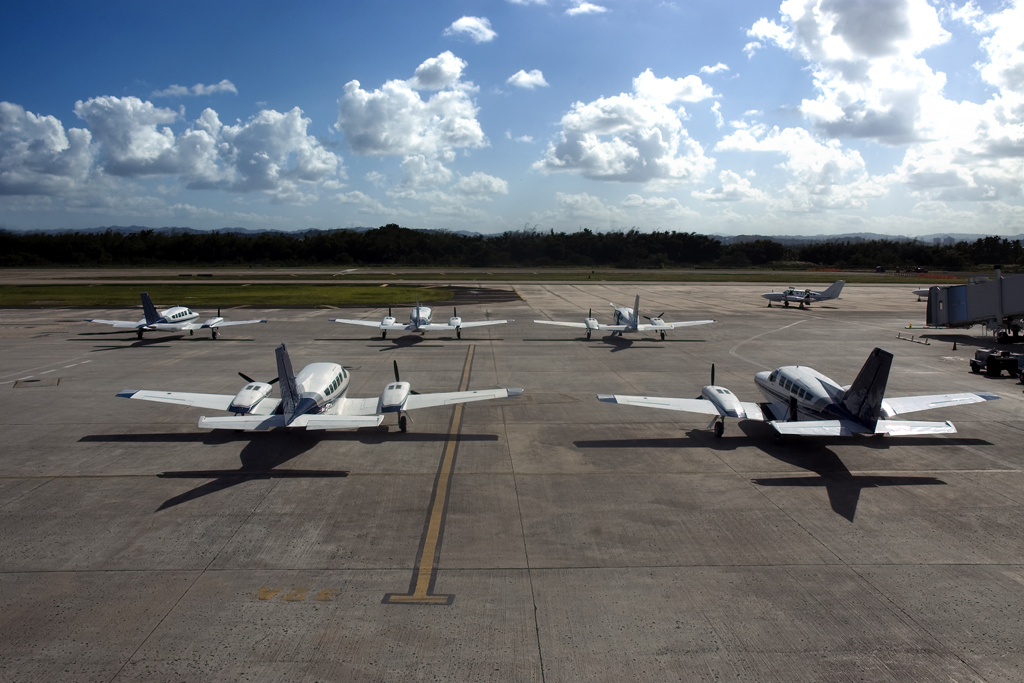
402	424
719	429
786	304
384	334
192	332
588	334
662	336
769	304
215	334
458	333
138	334
801	304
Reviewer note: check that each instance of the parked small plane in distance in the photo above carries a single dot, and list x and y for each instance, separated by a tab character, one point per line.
806	296
803	402
175	319
626	320
420	321
921	292
315	399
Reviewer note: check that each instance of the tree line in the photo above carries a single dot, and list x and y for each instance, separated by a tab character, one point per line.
398	246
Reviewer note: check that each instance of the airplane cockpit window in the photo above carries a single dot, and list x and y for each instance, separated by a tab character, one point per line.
771	378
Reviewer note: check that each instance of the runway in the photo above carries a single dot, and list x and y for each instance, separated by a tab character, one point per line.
576	541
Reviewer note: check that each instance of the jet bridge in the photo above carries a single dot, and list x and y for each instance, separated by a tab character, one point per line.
998	304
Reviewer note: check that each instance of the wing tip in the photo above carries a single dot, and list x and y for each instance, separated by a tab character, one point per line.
987	396
514	392
607	398
127	393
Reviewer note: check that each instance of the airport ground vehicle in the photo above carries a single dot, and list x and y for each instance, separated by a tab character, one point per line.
994	362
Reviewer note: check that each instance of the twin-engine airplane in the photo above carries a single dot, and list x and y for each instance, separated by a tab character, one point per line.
806	296
627	320
315	399
176	319
420	321
803	402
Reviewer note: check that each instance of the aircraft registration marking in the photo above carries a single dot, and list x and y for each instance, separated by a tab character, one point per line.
421	589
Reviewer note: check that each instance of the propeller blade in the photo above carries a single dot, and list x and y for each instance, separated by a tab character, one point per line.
246	377
396	372
273	380
712	373
455	312
218	311
590	313
389	312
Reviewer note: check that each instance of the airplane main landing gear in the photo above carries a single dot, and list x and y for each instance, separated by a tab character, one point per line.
192	332
138	333
215	333
663	336
588	334
801	304
786	304
719	428
402	424
769	304
383	334
458	332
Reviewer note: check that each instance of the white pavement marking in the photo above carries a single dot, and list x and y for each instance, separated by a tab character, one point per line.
732	351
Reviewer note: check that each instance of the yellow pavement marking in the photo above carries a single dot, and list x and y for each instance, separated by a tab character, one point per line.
430	550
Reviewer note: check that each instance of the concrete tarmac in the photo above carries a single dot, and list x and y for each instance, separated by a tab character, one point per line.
575	540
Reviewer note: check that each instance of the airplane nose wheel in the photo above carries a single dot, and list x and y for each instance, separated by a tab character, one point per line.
719	429
402	424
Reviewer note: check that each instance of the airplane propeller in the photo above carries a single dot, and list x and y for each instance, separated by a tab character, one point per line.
247	378
399	380
712	373
656	316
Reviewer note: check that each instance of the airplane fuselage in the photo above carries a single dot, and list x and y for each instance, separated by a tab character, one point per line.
319	386
175	318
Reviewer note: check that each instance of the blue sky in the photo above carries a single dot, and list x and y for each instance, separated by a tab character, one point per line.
799	117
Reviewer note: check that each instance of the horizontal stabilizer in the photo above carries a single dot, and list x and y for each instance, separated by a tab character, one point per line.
255	423
850	428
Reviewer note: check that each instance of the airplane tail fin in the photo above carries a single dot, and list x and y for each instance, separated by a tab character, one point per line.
636	309
289	392
863	400
148	309
833	291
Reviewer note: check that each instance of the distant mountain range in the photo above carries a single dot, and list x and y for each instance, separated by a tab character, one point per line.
789	240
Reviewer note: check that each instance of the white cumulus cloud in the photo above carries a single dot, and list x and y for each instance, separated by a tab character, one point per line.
630	137
38	156
477	29
717	68
196	90
585	8
480	184
671	90
529	80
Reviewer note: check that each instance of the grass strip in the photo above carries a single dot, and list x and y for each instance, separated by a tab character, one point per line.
218	295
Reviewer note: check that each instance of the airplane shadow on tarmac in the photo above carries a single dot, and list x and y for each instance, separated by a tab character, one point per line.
264	452
808	453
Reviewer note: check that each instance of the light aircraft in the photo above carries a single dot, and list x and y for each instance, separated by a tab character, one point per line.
420	321
175	319
626	320
806	296
315	399
803	402
921	292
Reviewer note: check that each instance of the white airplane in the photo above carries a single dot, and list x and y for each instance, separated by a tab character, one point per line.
420	321
921	292
175	319
805	296
627	320
803	402
315	399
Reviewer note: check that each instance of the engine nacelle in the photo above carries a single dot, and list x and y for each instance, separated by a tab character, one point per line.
455	322
247	399
213	321
388	321
392	400
724	400
591	323
657	321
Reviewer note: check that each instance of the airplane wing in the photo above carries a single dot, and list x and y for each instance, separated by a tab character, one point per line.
225	323
116	323
257	423
563	324
364	323
687	405
214	401
358	406
911	404
850	428
482	323
670	326
452	397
